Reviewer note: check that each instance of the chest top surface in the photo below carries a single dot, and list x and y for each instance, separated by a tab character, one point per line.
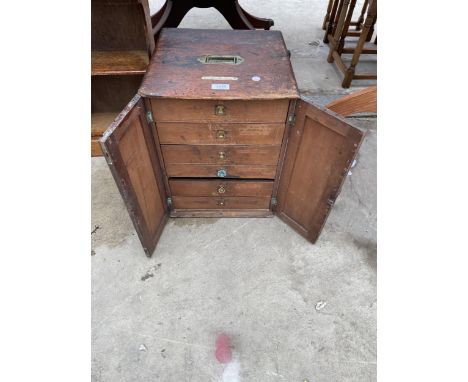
220	64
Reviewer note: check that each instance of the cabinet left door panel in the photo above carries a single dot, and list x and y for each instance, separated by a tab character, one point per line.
130	150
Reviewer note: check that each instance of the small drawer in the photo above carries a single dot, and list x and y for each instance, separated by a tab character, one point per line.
220	133
220	155
230	202
214	187
182	170
175	110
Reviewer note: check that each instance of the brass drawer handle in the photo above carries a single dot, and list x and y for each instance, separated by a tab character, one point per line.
221	189
222	155
220	110
221	203
220	134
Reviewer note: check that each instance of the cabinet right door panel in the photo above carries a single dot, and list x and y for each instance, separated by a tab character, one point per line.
320	150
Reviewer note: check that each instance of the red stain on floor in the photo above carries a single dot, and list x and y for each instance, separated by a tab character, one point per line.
223	351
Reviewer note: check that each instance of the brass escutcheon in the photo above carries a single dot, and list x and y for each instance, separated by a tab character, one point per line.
221	189
220	134
220	110
222	155
221	203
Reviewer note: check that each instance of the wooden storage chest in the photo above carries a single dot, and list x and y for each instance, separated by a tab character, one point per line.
218	129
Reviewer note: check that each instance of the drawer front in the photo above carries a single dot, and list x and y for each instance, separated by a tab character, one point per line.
183	170
172	110
183	187
220	155
220	134
230	202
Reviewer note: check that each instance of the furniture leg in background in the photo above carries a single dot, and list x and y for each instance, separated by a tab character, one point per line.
330	21
341	17
173	11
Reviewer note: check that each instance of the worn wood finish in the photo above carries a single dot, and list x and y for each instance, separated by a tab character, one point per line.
118	62
175	72
321	149
252	156
99	123
254	171
176	110
362	101
121	25
220	187
121	44
221	155
220	202
130	152
221	133
110	94
245	213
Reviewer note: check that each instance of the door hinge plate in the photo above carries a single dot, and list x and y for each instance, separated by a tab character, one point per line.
291	118
274	202
149	116
169	203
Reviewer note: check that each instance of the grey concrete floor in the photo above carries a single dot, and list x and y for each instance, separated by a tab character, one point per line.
253	279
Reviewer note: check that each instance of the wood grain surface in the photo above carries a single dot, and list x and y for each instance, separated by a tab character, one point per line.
175	72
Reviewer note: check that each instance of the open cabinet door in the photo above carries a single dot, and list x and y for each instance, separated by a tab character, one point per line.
129	147
320	150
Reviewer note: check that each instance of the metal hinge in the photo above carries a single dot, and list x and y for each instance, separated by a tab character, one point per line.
292	118
274	202
149	116
169	203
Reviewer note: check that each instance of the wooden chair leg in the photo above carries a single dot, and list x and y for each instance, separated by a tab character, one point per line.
331	21
370	20
361	16
346	25
327	15
371	31
339	27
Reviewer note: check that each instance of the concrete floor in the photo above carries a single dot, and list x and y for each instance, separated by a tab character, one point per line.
254	279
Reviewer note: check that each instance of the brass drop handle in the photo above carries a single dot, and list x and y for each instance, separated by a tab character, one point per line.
221	203
222	155
220	134
221	189
220	110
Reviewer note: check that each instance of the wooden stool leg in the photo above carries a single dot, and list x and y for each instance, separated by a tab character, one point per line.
370	19
337	30
346	25
327	15
361	16
331	21
371	30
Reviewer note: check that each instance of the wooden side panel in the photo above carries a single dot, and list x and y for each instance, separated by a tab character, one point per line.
220	133
221	155
130	151
321	148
